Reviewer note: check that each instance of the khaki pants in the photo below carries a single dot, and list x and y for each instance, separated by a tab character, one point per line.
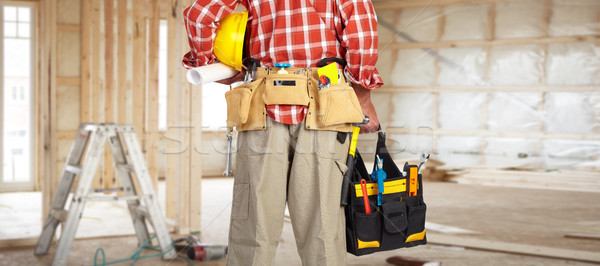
293	164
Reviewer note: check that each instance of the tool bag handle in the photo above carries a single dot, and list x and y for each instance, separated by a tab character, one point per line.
326	60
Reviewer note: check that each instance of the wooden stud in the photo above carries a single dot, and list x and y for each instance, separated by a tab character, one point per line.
109	81
48	22
68	81
173	71
96	83
84	96
569	88
122	102
394	4
195	183
152	108
69	27
500	134
138	71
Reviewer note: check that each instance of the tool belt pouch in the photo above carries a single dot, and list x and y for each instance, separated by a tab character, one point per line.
288	89
338	104
238	103
400	220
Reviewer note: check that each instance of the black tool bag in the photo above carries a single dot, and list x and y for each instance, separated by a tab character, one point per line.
400	220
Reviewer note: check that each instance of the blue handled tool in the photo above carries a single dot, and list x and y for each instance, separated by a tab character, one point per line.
379	175
282	67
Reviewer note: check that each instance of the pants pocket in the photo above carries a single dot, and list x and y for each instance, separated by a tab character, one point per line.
286	89
338	104
239	207
416	223
368	230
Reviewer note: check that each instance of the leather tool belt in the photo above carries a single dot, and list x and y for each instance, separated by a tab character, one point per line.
333	108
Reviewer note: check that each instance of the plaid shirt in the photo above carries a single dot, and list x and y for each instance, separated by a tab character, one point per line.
298	32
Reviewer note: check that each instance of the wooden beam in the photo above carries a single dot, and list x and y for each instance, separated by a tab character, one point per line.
68	81
48	23
138	70
544	88
152	108
514	248
496	42
402	4
122	102
84	96
66	135
109	82
96	79
173	77
499	134
69	27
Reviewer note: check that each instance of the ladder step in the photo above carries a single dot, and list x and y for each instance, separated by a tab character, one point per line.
73	169
110	189
59	214
125	167
113	198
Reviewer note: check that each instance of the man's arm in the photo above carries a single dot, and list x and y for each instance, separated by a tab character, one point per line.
364	98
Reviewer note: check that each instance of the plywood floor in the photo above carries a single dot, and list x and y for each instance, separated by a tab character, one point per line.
525	216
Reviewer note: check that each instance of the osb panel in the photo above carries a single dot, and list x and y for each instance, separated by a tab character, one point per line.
67	108
69	11
69	55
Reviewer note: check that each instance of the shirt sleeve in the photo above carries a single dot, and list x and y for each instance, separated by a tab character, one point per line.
359	38
201	23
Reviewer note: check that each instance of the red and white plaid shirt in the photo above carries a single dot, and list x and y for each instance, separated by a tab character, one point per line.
298	32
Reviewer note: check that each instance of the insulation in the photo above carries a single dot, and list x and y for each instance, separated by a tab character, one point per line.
408	147
412	110
461	110
511	152
420	24
571	154
468	22
514	111
516	65
575	18
568	112
573	64
413	68
457	152
472	65
519	19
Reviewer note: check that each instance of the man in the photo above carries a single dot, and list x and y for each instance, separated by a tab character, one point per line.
289	155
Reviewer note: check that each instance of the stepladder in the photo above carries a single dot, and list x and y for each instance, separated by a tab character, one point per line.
82	162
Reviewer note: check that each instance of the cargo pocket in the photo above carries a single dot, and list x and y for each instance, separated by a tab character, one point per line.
239	207
286	89
368	230
394	217
416	223
338	104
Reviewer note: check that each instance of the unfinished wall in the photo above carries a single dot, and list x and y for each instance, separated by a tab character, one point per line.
107	72
499	84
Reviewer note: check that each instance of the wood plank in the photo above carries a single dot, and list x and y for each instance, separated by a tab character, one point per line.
109	82
122	102
96	83
18	243
583	236
542	88
138	70
497	42
514	248
402	4
66	135
500	134
69	27
84	96
48	23
195	185
173	83
68	81
152	108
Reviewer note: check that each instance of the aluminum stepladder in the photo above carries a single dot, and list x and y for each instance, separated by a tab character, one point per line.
97	135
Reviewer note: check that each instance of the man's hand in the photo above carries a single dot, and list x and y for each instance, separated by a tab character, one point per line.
364	98
238	77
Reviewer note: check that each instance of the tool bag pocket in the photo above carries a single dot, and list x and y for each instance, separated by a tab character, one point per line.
368	230
416	225
338	104
238	103
289	89
394	214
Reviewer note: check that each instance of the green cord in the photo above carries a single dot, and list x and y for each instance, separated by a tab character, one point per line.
136	255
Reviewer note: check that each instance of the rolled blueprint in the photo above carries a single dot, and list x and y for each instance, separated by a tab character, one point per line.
210	73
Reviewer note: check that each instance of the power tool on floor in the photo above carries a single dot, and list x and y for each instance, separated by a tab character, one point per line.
199	251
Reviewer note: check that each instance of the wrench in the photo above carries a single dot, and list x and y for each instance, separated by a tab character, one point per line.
228	171
424	158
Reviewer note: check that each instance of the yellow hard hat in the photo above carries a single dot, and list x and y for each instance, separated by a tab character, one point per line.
229	41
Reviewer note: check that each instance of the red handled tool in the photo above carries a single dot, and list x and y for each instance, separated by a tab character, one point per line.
363	185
